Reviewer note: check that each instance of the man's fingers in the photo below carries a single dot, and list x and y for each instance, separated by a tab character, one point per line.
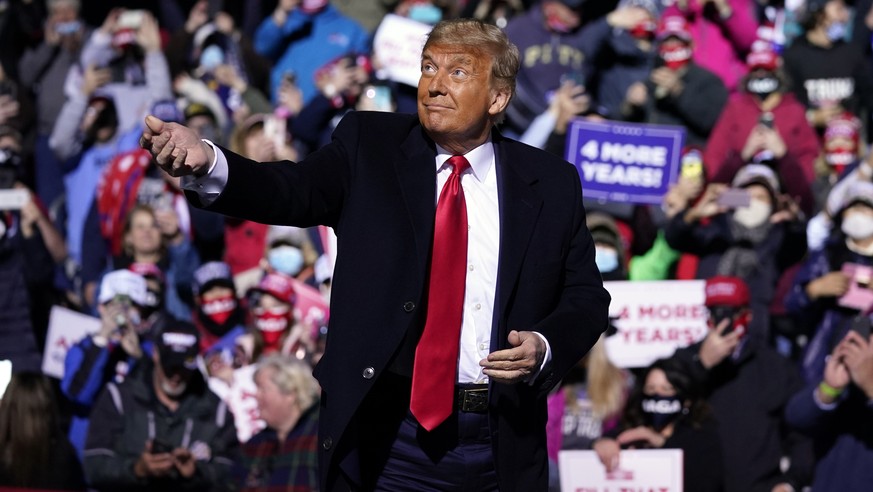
179	161
165	156
154	124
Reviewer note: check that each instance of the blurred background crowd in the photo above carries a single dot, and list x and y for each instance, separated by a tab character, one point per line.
199	373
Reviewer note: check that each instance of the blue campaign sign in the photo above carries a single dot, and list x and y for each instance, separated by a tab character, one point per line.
625	162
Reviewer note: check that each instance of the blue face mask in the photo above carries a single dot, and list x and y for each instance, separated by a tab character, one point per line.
211	57
606	259
426	13
286	259
836	31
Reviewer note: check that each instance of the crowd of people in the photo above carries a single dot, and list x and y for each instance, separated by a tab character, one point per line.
199	376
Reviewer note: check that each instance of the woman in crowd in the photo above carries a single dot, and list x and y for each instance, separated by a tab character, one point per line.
286	452
667	411
828	291
34	453
589	402
154	237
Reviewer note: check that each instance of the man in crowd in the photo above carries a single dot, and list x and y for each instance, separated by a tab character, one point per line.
748	385
162	429
433	366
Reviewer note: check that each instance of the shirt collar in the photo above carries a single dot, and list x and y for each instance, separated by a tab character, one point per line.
481	159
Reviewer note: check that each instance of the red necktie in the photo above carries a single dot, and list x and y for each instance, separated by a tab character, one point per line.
436	356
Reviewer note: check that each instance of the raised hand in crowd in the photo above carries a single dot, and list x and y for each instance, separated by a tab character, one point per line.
340	78
833	284
763	138
836	376
110	23
94	78
197	17
283	8
226	74
718	345
856	354
570	101
668	82
708	205
224	23
680	195
117	325
627	17
787	211
176	148
637	95
34	219
149	35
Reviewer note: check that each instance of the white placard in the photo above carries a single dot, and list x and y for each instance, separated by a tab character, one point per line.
654	319
397	48
66	327
639	470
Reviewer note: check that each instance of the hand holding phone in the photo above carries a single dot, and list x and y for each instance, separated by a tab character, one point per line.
160	446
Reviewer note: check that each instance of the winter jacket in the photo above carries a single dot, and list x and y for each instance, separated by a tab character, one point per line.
129	414
748	397
843	433
307	42
796	169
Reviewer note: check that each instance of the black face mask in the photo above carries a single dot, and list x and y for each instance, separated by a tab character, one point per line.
660	411
763	85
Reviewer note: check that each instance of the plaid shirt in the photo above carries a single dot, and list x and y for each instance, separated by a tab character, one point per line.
267	465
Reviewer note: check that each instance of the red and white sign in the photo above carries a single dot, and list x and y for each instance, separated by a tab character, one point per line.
643	470
66	327
397	48
654	319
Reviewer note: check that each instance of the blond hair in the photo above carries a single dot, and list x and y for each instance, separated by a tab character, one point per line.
292	376
606	383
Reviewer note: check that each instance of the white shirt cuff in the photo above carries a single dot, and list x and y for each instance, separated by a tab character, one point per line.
546	359
209	186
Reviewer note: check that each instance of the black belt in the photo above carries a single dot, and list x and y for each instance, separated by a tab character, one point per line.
471	398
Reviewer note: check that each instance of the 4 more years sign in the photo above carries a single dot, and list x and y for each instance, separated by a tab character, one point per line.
625	162
653	319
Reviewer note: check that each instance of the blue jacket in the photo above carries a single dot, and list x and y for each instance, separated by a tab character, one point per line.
843	434
305	43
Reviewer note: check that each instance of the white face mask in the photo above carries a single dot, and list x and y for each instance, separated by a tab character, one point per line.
754	215
858	226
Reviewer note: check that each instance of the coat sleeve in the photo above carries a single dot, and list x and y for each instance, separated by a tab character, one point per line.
105	467
582	310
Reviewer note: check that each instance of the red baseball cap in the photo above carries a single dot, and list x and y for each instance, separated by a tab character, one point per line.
279	286
726	291
673	26
762	57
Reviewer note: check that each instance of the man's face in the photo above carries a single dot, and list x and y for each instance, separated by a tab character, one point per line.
456	101
173	381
